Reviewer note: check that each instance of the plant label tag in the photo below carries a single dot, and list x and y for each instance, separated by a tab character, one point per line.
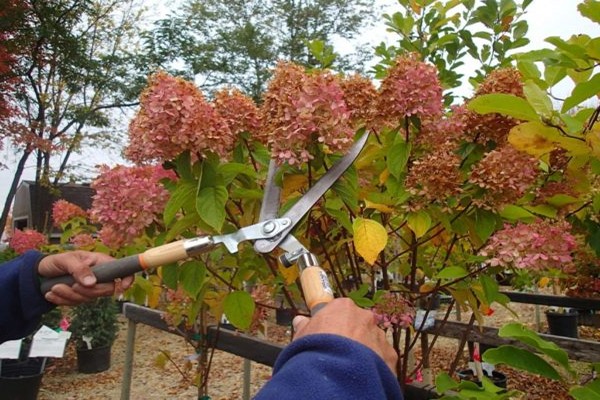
10	349
48	343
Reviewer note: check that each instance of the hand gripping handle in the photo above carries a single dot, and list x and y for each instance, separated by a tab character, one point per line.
315	284
149	259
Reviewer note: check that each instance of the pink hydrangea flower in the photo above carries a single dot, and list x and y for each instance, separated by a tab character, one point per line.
411	87
394	310
539	246
301	110
28	239
63	211
127	200
83	241
174	117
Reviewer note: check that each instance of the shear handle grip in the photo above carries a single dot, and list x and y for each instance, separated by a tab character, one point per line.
316	288
126	266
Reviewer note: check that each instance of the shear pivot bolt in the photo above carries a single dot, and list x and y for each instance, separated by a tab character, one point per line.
269	227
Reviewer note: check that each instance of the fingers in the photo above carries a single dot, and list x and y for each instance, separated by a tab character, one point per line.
299	323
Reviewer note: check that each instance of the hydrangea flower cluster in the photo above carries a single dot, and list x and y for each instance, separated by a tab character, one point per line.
301	109
438	131
393	310
83	241
539	246
63	211
495	127
360	96
27	239
174	117
238	111
436	176
127	200
505	174
411	87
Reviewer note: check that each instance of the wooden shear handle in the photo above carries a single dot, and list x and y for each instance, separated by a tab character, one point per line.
315	284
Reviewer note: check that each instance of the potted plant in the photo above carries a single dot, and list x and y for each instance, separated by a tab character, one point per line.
94	327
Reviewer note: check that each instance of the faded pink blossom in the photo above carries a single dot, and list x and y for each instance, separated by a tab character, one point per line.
302	110
63	211
393	310
83	241
174	117
27	239
127	200
539	246
238	111
411	87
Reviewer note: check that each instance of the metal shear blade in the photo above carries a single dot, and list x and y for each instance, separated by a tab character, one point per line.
272	197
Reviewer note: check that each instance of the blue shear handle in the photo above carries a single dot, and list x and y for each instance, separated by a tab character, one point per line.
107	272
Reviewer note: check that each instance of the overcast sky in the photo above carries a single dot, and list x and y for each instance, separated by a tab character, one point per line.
545	17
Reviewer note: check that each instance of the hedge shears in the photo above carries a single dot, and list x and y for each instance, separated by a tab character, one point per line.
270	232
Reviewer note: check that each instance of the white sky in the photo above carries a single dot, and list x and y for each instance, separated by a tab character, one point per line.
545	17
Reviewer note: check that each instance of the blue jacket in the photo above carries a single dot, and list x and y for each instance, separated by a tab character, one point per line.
329	367
22	300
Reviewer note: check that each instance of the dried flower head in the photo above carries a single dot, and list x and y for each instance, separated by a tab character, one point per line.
393	310
360	96
63	211
495	127
301	110
436	176
127	200
504	174
27	239
238	110
411	87
539	246
83	241
174	117
440	130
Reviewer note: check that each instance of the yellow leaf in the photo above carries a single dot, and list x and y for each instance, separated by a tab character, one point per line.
370	238
383	177
379	207
289	274
533	138
593	140
427	287
415	7
543	282
292	184
419	223
215	302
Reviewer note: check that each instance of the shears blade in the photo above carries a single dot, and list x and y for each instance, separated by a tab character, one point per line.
306	202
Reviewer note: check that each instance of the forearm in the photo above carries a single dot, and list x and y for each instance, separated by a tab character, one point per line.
330	367
22	302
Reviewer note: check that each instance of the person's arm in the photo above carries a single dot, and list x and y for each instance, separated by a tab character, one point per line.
338	354
22	303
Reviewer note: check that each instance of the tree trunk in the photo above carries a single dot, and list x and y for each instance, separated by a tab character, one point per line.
13	190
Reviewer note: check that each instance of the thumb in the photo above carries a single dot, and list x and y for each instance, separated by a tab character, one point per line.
300	322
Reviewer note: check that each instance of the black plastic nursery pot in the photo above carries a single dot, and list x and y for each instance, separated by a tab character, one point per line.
562	323
284	316
498	378
21	380
91	361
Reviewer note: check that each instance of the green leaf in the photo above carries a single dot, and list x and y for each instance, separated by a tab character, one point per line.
397	158
210	204
538	99
485	223
347	188
515	213
419	222
521	359
239	309
582	92
531	338
444	382
169	274
192	275
452	273
183	195
590	9
230	171
543	210
584	393
505	104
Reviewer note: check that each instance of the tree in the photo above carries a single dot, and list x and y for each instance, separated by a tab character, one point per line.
73	69
238	42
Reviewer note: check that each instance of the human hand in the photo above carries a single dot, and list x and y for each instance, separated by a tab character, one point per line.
85	289
342	317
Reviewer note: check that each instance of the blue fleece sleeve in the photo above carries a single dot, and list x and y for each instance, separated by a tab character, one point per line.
329	367
21	301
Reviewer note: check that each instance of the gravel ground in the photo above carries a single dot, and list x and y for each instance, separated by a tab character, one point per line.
63	382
